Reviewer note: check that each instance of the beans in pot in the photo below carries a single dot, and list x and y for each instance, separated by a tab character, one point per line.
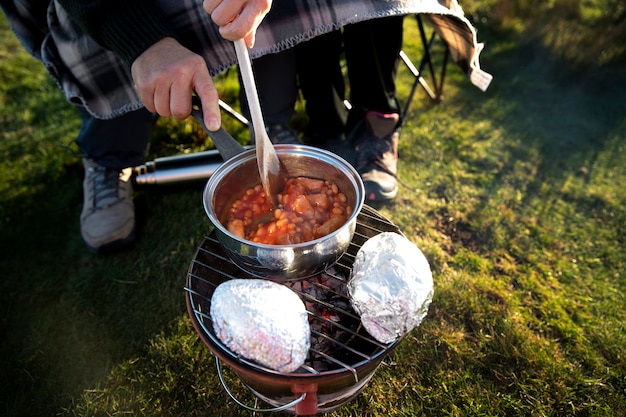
307	209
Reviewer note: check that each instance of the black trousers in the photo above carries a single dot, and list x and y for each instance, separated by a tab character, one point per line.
275	77
371	50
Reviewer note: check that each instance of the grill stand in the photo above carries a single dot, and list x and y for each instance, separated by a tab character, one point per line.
308	391
308	405
297	402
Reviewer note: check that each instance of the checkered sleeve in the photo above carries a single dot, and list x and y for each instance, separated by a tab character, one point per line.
125	27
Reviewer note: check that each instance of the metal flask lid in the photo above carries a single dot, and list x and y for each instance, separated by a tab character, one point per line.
178	169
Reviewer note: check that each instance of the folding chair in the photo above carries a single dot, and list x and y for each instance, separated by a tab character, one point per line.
435	91
234	113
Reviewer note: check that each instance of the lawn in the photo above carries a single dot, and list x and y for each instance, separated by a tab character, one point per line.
515	195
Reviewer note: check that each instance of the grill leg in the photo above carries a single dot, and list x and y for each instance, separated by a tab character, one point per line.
308	406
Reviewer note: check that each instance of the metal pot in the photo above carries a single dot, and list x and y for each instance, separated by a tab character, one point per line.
280	262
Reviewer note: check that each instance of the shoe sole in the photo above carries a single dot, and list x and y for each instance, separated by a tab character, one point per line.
374	193
114	246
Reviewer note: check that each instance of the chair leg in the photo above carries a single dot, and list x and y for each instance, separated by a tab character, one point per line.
234	113
434	89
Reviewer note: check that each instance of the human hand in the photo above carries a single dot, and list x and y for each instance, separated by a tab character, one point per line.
238	19
167	74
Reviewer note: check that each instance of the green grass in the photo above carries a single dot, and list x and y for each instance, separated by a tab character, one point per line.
515	195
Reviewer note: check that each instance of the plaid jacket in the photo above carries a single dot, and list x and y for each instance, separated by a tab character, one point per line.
99	80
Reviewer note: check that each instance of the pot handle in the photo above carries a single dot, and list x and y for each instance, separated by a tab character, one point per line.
257	410
224	142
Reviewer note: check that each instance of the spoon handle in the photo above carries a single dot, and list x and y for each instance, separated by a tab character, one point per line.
245	66
226	145
273	173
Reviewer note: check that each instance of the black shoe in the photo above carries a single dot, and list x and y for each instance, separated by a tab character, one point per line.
376	142
282	134
334	142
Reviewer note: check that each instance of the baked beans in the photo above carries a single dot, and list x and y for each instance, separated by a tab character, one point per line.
307	209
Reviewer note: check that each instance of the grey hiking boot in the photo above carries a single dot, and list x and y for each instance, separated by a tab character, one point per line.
107	221
376	144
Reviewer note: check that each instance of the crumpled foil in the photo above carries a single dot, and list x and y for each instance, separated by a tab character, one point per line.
391	286
263	321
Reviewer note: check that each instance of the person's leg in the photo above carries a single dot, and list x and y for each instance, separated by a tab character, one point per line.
116	143
275	76
318	63
110	149
372	56
88	74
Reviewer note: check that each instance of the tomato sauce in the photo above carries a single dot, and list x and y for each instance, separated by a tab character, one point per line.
307	209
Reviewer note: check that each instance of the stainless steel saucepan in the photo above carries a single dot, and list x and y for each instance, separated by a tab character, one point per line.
283	262
240	172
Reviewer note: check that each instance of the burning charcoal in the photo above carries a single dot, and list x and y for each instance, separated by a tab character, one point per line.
332	320
328	284
391	286
262	321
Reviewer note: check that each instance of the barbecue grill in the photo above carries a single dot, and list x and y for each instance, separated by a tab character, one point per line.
343	356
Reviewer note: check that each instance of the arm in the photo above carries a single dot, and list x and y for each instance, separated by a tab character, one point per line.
126	27
166	74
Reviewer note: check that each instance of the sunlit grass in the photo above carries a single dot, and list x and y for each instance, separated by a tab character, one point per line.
515	196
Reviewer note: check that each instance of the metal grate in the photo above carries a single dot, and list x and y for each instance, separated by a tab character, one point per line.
338	341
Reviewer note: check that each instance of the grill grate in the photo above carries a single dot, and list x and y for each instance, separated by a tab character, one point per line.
338	341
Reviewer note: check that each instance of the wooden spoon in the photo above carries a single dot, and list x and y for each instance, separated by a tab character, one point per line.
272	171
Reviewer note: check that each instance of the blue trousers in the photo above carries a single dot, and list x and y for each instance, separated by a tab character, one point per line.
116	143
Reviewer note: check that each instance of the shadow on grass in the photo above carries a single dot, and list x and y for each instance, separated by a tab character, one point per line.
69	317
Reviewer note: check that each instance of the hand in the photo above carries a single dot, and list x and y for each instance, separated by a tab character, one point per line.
238	18
167	74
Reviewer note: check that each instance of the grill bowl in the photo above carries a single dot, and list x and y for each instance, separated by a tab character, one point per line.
281	262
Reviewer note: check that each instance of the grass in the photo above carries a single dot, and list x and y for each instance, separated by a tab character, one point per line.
515	196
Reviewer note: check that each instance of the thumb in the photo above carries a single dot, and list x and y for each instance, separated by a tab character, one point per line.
250	39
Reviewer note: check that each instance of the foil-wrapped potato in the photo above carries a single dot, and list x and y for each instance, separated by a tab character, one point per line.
391	286
263	321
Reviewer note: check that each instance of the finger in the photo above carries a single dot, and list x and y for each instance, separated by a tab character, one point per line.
250	39
147	98
210	5
146	94
180	100
254	13
238	19
205	89
162	100
223	12
241	26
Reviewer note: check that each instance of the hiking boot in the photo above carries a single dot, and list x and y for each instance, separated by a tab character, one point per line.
107	221
282	134
376	144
